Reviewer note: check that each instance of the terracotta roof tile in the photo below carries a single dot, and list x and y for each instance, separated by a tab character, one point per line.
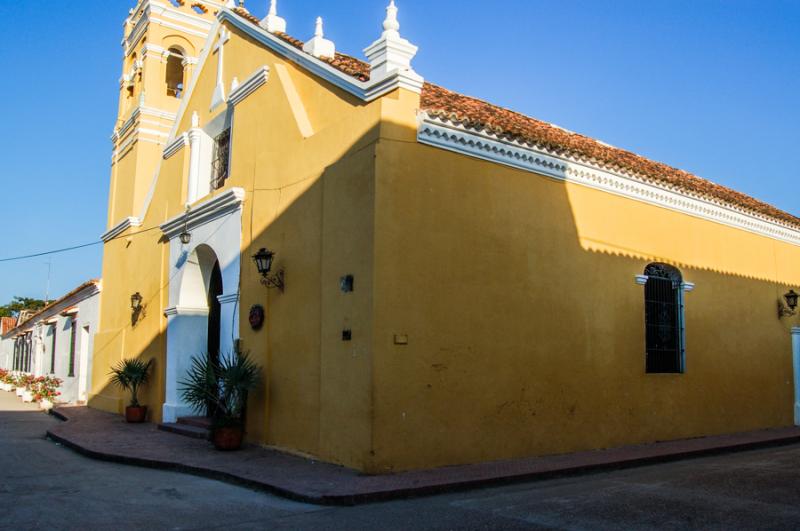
6	324
478	114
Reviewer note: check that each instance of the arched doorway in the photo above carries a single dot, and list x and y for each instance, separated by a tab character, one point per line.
203	309
214	319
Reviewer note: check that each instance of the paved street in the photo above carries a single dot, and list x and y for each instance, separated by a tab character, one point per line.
45	486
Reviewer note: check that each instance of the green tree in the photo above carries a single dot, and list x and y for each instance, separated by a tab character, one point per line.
18	304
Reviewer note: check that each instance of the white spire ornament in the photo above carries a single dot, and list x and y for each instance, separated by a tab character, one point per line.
391	55
272	22
319	46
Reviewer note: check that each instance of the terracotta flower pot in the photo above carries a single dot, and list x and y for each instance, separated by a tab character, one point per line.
135	414
227	439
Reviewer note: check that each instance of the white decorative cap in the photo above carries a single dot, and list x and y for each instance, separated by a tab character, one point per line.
195	120
391	26
272	22
319	46
391	55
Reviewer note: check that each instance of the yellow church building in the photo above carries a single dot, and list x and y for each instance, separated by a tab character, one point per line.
452	282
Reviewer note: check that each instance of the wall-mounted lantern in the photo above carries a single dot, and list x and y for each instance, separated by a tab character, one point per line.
136	302
263	259
137	308
186	236
791	304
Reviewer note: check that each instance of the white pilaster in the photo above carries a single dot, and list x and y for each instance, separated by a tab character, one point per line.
229	321
187	330
796	366
200	153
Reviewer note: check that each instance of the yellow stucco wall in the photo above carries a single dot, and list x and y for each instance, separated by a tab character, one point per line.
526	327
516	292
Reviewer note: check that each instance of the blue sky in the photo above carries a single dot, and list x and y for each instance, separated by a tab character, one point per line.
709	86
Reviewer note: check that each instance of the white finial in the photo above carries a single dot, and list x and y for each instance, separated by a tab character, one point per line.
318	31
234	83
319	46
195	120
141	98
272	22
391	26
391	55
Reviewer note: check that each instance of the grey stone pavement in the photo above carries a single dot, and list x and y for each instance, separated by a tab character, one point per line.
46	486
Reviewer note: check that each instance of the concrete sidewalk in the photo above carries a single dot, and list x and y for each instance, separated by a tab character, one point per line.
106	436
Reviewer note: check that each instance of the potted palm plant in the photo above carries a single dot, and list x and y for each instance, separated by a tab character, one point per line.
130	375
220	390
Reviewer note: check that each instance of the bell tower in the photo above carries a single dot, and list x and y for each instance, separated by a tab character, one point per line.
162	40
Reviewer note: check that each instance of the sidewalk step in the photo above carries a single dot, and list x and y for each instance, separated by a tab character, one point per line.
185	430
197	422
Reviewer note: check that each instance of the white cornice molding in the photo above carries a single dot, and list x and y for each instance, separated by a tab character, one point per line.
205	212
642	280
228	298
174	311
365	90
120	227
176	145
136	114
250	85
459	139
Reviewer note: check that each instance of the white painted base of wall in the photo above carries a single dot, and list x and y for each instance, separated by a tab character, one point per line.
172	412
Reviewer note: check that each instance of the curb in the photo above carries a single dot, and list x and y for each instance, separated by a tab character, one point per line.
356	498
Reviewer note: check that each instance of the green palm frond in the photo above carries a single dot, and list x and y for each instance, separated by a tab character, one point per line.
130	374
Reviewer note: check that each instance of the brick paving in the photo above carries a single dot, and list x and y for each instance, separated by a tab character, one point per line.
105	436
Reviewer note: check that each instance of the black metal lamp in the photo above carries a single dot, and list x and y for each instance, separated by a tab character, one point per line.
791	298
264	259
136	302
186	236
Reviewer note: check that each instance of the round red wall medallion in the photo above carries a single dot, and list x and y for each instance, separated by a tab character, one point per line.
256	317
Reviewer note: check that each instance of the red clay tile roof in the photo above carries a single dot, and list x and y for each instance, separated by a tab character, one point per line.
478	114
93	282
6	324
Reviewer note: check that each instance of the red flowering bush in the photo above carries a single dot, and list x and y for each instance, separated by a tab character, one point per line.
45	388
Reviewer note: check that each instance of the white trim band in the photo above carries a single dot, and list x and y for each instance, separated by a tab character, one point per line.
250	85
120	227
459	139
365	90
176	145
642	280
214	208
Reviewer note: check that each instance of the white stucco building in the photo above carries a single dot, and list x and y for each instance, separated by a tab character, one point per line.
58	341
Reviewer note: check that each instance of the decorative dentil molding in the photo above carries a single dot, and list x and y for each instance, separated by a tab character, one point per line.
487	146
214	208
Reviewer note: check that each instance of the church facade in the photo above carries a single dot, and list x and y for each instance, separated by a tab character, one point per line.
451	282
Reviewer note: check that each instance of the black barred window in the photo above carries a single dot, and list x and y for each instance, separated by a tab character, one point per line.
663	303
219	168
